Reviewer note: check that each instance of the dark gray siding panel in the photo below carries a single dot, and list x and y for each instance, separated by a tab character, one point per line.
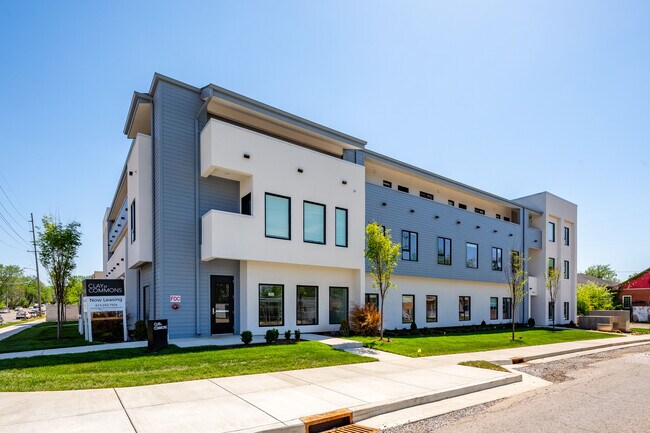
175	219
219	194
146	279
217	267
397	216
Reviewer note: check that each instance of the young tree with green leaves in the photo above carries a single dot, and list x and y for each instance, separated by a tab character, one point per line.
592	296
58	244
11	285
553	287
382	254
517	277
604	272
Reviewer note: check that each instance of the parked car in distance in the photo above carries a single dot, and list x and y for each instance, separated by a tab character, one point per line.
23	315
4	310
19	308
2	321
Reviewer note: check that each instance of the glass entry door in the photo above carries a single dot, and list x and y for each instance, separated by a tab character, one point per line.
222	305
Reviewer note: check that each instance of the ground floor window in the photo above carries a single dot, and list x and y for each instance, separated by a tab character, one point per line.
271	305
494	308
408	308
507	308
338	305
307	305
566	311
464	308
551	311
372	299
432	308
145	303
627	301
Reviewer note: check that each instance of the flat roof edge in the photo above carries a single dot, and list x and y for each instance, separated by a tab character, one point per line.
135	100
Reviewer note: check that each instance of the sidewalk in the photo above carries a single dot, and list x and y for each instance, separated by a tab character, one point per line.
273	401
8	331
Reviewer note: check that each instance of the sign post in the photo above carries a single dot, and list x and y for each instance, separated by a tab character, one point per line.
103	296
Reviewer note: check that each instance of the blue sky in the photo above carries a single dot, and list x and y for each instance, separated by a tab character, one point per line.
510	97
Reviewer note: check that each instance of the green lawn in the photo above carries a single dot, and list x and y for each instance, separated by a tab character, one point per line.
431	345
640	330
4	325
484	364
43	336
133	367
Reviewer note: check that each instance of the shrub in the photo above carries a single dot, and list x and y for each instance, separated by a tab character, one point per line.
246	337
296	333
414	326
140	332
531	322
344	330
287	334
365	320
272	335
591	296
483	324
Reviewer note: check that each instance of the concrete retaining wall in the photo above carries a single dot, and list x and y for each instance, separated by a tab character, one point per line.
621	318
591	322
71	312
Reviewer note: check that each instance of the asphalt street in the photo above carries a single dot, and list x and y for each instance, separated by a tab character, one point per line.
604	392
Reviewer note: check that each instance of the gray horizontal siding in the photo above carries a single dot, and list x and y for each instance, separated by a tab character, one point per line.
217	267
218	193
397	216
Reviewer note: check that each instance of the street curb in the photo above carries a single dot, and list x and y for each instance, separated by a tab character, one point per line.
568	351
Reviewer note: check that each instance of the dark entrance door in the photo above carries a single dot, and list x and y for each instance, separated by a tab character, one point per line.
222	305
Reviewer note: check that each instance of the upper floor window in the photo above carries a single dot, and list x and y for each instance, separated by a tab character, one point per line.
506	219
462	206
426	195
497	259
472	255
498	216
479	210
451	203
388	184
444	251
133	221
551	264
277	216
566	269
551	231
566	236
409	245
402	188
314	222
341	226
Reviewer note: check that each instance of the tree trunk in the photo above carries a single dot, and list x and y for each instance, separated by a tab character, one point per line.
58	320
381	314
512	315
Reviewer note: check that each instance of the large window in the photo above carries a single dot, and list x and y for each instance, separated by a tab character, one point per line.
409	246
307	305
133	221
372	299
271	305
464	308
566	269
341	226
497	259
338	305
277	216
506	313
472	255
566	236
551	231
566	311
444	251
494	308
313	222
408	308
432	308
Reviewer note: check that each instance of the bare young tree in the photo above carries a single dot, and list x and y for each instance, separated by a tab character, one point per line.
553	287
59	244
516	277
382	254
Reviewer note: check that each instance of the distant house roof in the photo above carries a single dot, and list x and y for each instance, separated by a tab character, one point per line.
584	278
640	280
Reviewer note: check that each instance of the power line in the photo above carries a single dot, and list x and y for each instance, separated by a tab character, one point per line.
12	228
10	215
11	202
9	234
10	246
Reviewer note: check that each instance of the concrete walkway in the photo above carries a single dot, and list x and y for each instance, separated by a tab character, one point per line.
274	401
8	331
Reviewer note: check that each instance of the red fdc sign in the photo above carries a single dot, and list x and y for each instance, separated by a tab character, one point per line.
175	298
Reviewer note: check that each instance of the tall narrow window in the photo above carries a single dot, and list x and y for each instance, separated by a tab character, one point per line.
246	205
432	308
464	308
338	305
551	231
494	308
314	222
627	301
277	216
372	299
566	311
271	305
551	264
133	221
341	227
566	236
409	246
472	255
551	311
507	309
408	308
566	269
497	259
444	251
307	305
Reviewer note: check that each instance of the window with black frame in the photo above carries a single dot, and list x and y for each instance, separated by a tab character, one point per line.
464	308
494	308
277	216
444	251
497	259
409	246
432	308
408	308
307	305
372	299
507	309
472	255
271	305
313	222
338	305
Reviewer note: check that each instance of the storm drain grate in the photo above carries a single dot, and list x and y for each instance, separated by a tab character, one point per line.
353	428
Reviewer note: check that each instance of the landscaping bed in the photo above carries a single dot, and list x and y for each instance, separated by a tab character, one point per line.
134	367
477	341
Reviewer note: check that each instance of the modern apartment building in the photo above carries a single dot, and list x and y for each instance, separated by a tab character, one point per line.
232	215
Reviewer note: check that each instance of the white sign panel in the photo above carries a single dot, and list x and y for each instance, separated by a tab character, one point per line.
98	304
175	298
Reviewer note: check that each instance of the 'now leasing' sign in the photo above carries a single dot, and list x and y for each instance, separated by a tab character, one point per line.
97	304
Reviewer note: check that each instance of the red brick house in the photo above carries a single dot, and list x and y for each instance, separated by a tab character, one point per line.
636	290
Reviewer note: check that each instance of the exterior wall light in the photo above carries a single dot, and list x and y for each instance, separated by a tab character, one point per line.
495	230
412	210
457	221
383	204
478	227
300	170
510	235
247	156
436	217
344	182
130	173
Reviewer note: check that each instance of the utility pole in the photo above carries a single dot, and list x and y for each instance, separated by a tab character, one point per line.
38	278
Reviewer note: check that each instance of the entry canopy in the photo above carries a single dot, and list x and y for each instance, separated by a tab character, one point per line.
103	288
